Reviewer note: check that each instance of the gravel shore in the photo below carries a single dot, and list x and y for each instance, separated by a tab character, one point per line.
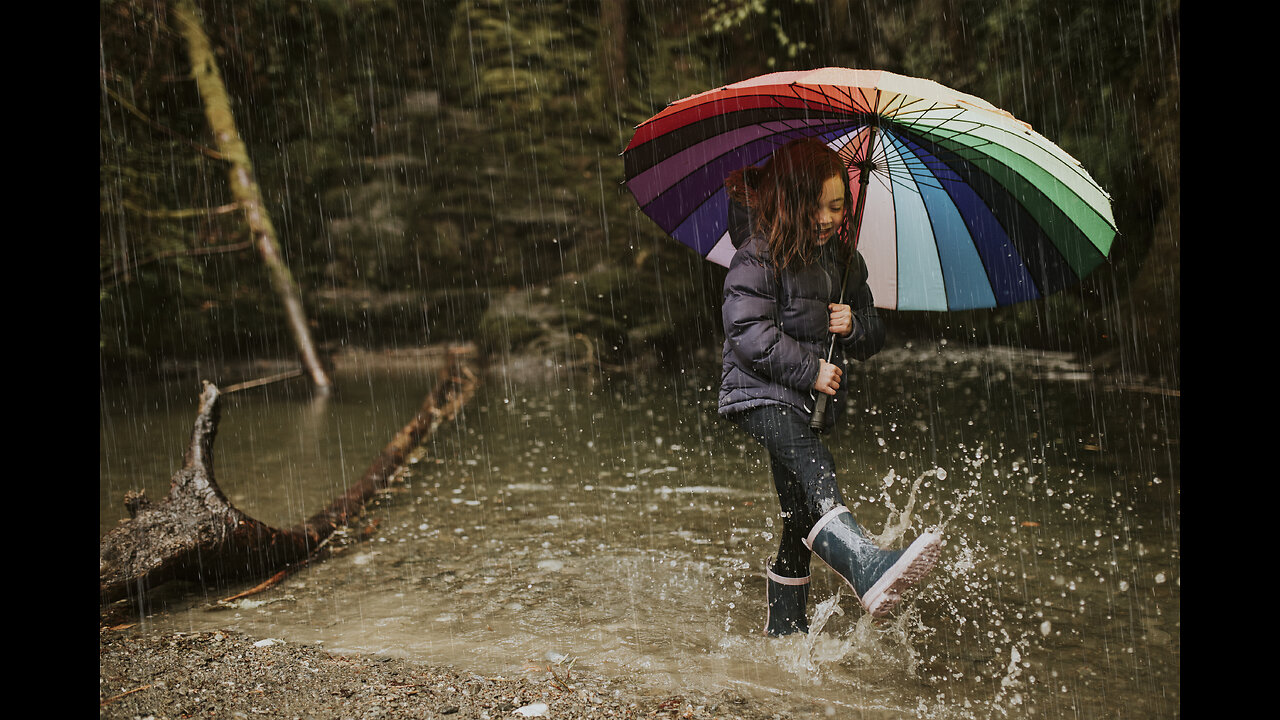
226	674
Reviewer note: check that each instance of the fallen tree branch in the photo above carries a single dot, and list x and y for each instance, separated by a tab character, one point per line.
265	584
123	694
203	149
186	213
196	534
259	382
108	277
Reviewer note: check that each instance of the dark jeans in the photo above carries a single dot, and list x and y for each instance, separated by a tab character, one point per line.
803	474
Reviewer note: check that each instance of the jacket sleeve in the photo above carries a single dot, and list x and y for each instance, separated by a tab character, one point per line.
867	337
750	316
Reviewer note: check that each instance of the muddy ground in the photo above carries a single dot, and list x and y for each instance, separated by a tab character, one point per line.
226	674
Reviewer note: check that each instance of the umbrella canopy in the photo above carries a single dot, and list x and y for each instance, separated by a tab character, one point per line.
966	206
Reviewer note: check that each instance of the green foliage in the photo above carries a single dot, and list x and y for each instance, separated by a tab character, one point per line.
410	150
158	189
780	26
675	55
514	59
1100	80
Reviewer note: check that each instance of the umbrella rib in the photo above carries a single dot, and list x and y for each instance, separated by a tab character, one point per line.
905	107
991	158
848	97
1011	179
833	102
982	259
892	113
794	89
943	125
959	116
946	126
1075	168
932	181
950	133
674	109
777	140
898	171
701	122
1042	283
879	158
796	128
890	170
836	102
794	125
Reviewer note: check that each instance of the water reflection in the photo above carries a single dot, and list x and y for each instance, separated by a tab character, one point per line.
622	526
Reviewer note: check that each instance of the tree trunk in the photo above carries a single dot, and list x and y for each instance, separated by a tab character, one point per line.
197	534
217	108
612	51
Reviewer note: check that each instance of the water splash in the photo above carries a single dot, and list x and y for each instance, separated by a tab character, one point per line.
899	521
806	656
1054	552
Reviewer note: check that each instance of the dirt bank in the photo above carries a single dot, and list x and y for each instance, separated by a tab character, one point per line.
225	674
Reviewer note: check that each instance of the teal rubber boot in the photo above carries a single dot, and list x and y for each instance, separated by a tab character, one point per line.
788	600
877	576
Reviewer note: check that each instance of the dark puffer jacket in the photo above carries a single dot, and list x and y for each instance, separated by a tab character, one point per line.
775	326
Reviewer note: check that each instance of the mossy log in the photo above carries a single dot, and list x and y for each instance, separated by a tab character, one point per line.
244	185
196	534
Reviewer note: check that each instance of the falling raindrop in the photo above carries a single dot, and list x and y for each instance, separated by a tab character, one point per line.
444	171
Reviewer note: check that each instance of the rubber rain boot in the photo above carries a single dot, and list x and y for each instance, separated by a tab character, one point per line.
788	601
877	576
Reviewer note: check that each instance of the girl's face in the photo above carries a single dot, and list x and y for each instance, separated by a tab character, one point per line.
830	208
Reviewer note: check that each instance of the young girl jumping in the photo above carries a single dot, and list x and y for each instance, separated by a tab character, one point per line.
782	304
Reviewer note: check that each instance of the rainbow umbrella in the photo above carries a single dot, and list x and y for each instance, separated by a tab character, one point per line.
962	205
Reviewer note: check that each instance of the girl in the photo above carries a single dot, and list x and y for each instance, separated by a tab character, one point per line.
779	313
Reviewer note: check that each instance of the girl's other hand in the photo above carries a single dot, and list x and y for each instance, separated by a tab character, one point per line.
828	378
841	322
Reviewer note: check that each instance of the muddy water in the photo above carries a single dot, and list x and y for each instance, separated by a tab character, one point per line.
619	526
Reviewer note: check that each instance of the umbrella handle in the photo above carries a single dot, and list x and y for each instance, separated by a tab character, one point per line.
865	167
819	416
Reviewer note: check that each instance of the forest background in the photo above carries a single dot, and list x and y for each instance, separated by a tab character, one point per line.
443	171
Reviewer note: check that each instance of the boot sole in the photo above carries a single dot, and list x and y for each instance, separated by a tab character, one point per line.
914	564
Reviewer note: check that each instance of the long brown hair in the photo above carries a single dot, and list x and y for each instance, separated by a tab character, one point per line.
783	197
